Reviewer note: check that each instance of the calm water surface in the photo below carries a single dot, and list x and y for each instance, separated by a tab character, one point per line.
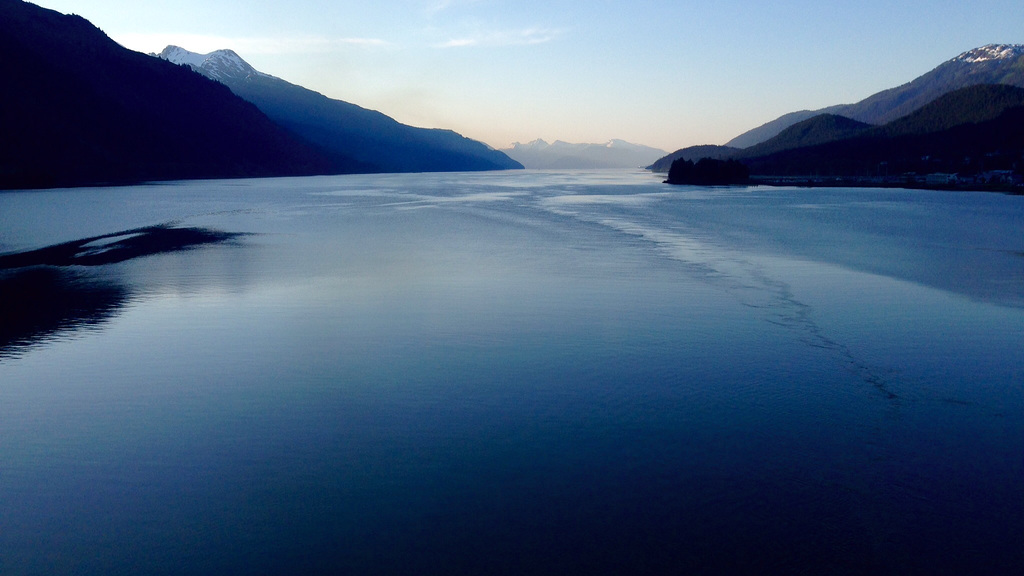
515	373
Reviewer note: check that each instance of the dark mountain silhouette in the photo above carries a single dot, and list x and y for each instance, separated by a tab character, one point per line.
992	64
835	146
769	130
77	108
970	105
693	154
342	130
969	130
813	131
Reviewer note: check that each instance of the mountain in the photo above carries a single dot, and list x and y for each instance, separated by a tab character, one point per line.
991	64
968	130
971	105
816	130
540	155
771	129
693	154
76	108
343	131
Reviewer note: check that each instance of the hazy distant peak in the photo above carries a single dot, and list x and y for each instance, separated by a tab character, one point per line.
624	145
538	144
567	155
991	52
219	64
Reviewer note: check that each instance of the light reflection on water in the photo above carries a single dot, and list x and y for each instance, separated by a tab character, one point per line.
530	372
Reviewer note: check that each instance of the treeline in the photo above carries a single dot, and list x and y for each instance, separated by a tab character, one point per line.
708	171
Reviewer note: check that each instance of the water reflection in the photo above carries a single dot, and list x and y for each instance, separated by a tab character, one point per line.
46	302
45	294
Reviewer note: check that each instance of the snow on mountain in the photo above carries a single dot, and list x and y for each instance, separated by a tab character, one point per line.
181	56
991	52
535	145
219	64
355	138
990	64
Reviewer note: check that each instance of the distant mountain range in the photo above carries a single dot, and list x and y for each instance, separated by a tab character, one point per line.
76	108
538	154
991	64
354	137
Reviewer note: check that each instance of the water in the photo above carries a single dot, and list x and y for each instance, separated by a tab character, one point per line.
515	373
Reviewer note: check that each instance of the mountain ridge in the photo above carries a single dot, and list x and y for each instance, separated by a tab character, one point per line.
816	130
972	129
79	109
969	105
693	154
342	130
957	132
989	64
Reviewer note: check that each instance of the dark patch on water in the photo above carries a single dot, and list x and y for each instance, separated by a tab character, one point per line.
42	298
42	302
116	247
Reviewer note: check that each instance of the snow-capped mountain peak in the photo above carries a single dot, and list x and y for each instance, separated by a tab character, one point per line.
991	52
179	55
538	144
219	64
624	145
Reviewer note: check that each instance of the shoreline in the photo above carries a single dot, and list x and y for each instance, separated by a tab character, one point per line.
841	182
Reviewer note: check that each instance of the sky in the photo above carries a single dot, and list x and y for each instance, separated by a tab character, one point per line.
665	73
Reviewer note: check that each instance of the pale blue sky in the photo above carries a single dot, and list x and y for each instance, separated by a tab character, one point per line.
664	73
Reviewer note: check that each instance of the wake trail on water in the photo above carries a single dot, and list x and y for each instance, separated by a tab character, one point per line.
749	283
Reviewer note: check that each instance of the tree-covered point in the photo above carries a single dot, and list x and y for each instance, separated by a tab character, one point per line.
708	171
